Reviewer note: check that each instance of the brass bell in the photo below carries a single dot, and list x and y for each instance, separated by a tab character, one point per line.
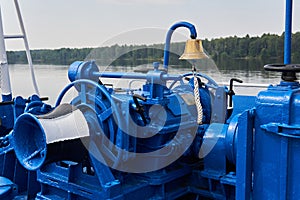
193	50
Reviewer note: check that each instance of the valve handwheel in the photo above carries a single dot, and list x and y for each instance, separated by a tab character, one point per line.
288	70
210	82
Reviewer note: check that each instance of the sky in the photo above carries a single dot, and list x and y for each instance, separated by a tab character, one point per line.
52	24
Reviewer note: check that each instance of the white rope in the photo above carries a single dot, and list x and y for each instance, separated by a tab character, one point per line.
197	99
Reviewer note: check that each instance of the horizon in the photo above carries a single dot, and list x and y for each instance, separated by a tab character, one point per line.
151	44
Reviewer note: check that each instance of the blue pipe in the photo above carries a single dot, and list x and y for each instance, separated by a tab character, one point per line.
81	81
193	35
288	31
122	75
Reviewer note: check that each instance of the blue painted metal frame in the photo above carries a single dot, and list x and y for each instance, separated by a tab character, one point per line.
244	156
193	35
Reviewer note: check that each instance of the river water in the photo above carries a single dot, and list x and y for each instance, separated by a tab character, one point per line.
52	79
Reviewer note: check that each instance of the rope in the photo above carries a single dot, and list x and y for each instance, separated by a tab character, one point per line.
197	98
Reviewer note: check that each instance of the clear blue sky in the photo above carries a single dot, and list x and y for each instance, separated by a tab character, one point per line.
91	23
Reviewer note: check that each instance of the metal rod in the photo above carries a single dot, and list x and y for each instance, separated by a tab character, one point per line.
5	79
120	75
26	47
13	36
288	31
133	75
247	85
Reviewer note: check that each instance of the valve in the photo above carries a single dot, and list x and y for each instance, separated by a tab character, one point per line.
288	70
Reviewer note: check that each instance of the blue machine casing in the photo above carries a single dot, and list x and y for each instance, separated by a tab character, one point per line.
277	125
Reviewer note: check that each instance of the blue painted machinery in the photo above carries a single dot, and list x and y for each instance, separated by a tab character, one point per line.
176	137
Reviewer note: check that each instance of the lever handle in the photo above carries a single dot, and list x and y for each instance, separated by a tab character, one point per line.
140	108
231	92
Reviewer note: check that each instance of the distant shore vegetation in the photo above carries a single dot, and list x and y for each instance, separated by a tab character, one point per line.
267	48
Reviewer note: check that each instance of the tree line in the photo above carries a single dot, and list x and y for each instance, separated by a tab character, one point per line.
266	48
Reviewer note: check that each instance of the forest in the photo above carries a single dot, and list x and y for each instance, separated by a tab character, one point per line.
264	49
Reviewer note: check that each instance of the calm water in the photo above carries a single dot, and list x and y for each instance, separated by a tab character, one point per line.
52	79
